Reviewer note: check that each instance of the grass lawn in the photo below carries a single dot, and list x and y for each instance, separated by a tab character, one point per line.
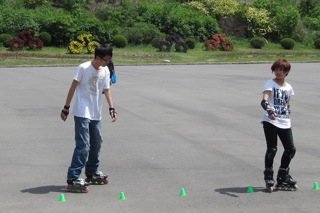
137	55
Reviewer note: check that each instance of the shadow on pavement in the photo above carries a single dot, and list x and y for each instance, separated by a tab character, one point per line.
44	189
233	191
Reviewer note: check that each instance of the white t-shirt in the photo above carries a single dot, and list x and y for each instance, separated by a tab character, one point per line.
278	101
89	90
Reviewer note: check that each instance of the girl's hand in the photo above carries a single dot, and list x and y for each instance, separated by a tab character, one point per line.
272	116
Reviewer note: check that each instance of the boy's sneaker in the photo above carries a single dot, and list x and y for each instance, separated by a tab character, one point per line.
98	178
77	186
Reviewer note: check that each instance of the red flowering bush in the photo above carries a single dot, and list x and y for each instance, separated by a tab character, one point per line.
211	45
218	39
26	37
35	44
16	44
227	45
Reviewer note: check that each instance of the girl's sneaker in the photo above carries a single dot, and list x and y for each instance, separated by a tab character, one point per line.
268	177
285	181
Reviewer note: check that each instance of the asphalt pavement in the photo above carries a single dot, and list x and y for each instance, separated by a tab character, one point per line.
195	127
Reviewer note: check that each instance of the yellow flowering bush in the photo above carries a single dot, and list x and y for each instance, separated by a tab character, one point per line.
259	21
92	45
84	39
75	47
199	6
217	8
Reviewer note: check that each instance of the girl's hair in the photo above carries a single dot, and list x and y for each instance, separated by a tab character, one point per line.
103	50
282	64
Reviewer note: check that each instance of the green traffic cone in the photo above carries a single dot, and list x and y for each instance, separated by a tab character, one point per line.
122	196
315	186
182	192
250	189
62	198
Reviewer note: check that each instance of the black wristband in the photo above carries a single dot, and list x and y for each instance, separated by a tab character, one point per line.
112	111
66	113
66	107
270	111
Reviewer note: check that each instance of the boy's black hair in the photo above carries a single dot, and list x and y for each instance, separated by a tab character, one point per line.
103	50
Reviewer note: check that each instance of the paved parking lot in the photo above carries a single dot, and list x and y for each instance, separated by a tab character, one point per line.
180	126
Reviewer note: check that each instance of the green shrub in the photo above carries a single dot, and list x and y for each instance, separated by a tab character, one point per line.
45	38
141	33
257	42
317	43
311	23
307	7
283	14
156	42
175	18
112	23
58	22
287	43
1	38
13	20
34	3
5	39
263	4
81	32
300	33
316	34
69	5
1	42
63	25
119	41
187	23
191	42
234	26
286	20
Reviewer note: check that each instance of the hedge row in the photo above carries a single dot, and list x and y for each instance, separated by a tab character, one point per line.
105	23
141	21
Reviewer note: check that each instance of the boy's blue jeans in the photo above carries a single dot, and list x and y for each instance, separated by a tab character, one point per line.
88	143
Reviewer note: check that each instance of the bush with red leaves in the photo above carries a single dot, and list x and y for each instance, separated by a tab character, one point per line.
16	44
218	39
26	37
35	44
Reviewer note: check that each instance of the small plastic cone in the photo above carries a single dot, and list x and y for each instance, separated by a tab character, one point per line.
315	186
182	192
62	198
122	196
250	189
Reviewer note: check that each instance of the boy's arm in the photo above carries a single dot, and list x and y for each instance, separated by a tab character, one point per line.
112	111
65	112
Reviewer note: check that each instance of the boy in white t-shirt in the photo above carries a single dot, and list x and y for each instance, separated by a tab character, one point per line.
276	123
90	80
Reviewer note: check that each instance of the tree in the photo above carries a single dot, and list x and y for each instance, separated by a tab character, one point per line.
308	8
